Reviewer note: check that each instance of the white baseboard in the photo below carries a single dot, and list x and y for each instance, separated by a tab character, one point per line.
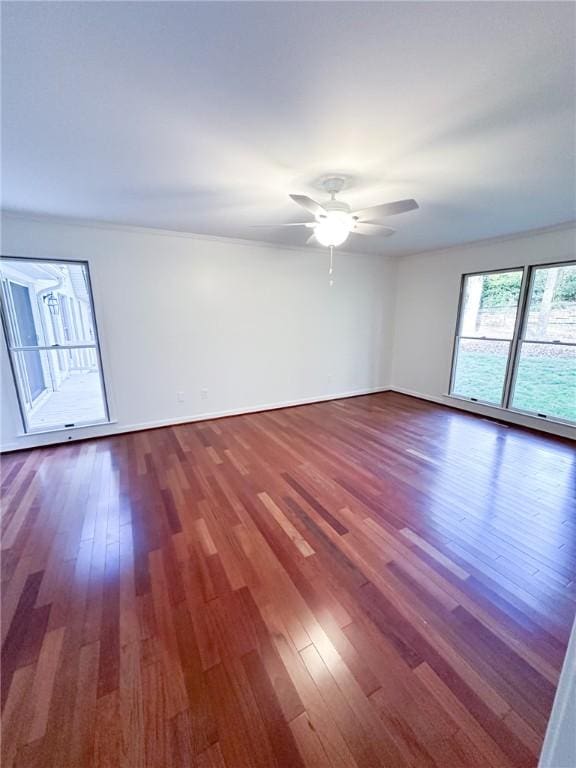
257	408
419	395
28	441
488	412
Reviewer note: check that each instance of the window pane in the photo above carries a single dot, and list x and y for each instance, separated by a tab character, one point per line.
481	369
552	305
546	380
59	387
49	304
489	304
46	303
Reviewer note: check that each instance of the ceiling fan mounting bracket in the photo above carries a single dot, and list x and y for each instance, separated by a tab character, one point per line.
334	184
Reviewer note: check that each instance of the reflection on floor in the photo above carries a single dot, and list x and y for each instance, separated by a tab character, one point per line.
79	399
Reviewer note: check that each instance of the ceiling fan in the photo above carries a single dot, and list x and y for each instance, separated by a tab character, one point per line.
334	221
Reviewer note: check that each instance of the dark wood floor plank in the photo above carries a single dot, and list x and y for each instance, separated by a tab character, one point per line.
364	582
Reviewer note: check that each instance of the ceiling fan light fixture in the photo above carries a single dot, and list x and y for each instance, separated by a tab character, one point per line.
334	219
333	229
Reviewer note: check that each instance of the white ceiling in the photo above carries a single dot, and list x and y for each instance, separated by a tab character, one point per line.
204	116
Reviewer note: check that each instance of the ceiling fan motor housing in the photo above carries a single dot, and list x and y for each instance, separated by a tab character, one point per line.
335	205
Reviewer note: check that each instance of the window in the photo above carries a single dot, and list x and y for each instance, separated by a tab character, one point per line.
545	377
50	330
485	333
515	341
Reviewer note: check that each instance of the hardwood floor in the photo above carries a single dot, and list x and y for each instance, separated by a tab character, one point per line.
369	582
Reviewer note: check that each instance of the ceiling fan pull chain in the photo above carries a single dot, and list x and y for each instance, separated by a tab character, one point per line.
331	270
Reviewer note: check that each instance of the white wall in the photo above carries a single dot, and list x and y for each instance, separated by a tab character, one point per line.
428	287
255	325
559	748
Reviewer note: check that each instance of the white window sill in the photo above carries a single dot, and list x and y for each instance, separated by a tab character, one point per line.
516	412
67	429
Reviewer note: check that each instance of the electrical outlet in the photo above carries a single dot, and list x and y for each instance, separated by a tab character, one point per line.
180	397
203	394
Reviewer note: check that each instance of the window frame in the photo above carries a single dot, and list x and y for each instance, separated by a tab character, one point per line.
533	268
458	336
14	349
520	325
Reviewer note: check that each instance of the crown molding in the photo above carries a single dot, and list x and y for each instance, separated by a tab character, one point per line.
158	231
562	226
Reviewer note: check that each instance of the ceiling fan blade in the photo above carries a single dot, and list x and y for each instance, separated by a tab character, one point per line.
312	239
372	229
310	205
289	224
386	209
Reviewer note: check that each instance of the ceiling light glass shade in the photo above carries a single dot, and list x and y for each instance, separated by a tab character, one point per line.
334	229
